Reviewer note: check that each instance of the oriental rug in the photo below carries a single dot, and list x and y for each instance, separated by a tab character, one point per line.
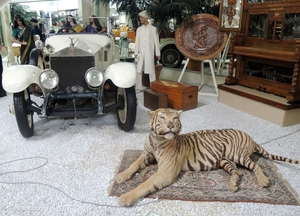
212	185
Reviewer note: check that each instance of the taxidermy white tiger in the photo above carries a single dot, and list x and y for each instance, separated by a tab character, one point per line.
196	151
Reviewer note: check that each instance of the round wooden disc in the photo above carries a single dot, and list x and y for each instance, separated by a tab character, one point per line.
200	39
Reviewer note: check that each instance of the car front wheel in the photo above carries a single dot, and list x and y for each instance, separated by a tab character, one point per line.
24	116
171	57
126	114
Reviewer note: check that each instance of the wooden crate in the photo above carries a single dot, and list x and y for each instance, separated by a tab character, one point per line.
154	100
180	96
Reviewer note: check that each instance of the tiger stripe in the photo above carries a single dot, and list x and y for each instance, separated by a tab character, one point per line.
201	150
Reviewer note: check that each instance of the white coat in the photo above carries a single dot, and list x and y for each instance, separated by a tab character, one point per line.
146	46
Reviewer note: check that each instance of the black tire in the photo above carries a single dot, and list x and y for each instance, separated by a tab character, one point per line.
171	57
24	116
127	114
36	58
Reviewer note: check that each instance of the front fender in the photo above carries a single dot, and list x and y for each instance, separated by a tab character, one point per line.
122	74
17	78
165	42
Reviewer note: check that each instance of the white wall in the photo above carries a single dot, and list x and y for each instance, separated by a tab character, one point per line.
85	10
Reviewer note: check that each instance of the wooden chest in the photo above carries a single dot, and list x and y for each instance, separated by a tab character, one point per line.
154	100
180	96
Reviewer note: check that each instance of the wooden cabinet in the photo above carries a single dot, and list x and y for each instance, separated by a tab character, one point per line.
265	53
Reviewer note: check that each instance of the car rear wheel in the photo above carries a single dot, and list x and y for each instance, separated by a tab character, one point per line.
171	57
127	113
24	116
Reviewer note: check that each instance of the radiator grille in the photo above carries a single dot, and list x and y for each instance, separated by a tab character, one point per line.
71	70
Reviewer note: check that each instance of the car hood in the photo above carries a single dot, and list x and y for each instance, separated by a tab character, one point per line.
80	48
77	45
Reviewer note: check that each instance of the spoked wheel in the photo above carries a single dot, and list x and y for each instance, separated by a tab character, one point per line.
171	57
126	114
24	116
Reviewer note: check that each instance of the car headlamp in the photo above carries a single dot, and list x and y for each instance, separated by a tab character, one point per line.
49	79
94	77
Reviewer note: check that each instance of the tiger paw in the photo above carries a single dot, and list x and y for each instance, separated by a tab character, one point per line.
233	187
233	183
122	177
264	181
126	199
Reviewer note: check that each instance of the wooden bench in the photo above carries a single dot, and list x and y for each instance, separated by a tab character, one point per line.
265	53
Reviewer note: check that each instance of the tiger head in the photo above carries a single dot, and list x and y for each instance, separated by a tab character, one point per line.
165	123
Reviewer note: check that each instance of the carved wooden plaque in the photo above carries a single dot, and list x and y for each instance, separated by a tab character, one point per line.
200	39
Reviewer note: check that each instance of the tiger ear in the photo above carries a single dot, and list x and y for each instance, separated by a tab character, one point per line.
151	113
179	112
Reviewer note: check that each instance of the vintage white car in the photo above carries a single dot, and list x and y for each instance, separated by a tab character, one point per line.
75	75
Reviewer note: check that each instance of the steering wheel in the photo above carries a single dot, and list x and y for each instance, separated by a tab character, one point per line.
65	28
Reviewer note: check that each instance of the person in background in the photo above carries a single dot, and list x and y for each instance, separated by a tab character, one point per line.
35	29
62	23
22	34
146	46
94	26
2	91
72	25
52	31
71	22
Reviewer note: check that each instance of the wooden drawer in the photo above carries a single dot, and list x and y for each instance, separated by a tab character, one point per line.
180	96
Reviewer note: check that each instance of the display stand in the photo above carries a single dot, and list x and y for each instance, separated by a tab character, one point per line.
201	40
202	76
